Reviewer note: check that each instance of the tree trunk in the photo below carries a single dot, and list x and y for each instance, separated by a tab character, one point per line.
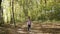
13	13
1	14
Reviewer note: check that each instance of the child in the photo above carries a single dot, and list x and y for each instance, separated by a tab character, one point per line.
29	23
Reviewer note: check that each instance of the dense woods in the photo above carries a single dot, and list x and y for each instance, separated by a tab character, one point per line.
15	16
38	10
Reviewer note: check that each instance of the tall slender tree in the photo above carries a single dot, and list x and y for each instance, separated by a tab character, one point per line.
13	13
1	13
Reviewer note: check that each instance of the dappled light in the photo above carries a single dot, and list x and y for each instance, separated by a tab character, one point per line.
29	16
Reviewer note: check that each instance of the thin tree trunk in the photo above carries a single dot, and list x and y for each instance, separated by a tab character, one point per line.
45	8
13	13
0	3
1	14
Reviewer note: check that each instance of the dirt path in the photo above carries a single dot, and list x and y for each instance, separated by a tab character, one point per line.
35	29
38	29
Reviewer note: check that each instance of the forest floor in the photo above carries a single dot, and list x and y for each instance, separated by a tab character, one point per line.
36	28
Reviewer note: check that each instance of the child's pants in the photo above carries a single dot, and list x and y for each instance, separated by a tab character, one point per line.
29	26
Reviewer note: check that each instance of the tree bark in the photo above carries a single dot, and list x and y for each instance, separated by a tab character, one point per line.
1	14
13	13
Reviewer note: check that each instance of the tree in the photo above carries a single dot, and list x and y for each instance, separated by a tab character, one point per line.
1	13
13	18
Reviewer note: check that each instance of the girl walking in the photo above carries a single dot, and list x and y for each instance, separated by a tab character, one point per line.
29	23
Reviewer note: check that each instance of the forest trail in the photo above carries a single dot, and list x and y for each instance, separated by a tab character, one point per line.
36	28
40	29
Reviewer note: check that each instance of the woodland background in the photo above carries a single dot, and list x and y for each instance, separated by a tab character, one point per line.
38	10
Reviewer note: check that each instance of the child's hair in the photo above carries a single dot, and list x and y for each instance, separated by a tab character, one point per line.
29	17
